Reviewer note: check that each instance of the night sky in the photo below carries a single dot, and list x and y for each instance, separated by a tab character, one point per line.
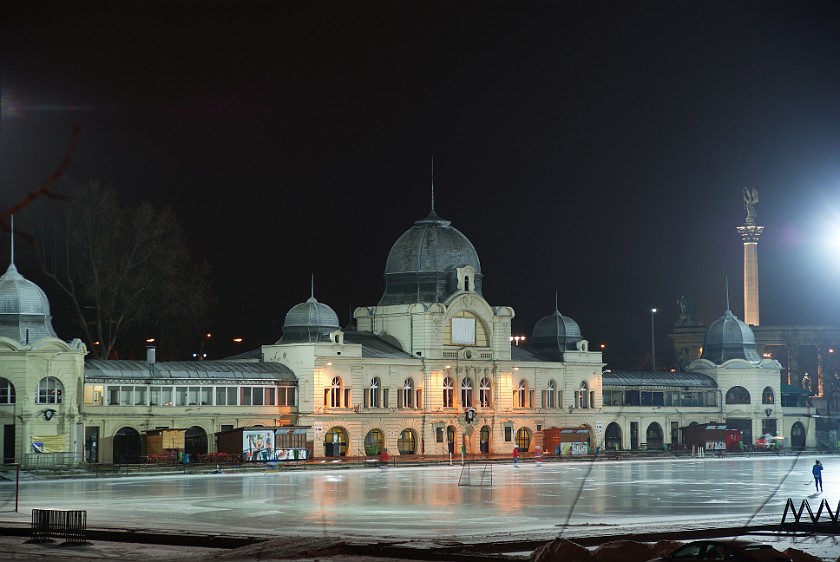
596	149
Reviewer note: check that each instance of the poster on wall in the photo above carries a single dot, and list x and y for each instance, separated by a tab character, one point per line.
574	448
257	445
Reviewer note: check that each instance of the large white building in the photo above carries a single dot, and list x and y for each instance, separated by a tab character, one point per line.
429	370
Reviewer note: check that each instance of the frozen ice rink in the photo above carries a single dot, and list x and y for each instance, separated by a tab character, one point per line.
567	498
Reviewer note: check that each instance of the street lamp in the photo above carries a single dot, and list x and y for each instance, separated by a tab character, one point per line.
652	342
517	339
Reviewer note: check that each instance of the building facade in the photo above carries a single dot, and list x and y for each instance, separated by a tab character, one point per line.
429	370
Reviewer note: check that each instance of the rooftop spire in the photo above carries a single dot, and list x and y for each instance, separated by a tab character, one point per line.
13	241
433	182
727	293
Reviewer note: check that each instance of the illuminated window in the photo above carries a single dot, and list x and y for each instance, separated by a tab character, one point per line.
521	398
484	395
466	393
767	396
335	393
49	391
448	392
407	394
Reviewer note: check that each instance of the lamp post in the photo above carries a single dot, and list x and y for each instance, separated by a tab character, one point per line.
652	342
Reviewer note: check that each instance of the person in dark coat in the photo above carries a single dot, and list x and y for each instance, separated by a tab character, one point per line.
817	472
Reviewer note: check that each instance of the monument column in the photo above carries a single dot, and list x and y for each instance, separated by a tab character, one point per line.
750	232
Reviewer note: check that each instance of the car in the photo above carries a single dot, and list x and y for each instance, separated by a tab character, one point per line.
736	550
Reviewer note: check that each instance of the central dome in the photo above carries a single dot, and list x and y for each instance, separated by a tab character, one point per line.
422	262
309	321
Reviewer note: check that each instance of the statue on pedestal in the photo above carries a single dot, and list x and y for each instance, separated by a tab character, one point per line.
750	199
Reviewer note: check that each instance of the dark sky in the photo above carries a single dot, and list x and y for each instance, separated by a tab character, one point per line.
597	149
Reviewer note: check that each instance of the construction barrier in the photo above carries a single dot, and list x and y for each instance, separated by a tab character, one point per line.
70	525
831	521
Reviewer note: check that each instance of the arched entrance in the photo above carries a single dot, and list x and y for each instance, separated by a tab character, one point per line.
195	441
450	439
612	437
374	442
484	440
654	437
523	439
797	436
407	443
335	442
126	446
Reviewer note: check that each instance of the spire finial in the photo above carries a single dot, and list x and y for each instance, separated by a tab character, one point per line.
727	293
433	182
13	240
312	286
555	301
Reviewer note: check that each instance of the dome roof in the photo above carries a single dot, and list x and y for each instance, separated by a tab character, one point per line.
421	265
309	321
431	245
24	308
729	338
555	334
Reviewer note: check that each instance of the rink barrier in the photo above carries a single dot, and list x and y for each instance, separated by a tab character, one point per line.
49	524
816	519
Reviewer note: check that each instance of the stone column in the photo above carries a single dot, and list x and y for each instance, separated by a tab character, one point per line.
749	235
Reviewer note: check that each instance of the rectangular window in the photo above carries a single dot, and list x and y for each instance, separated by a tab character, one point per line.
206	395
226	427
269	396
154	396
439	434
463	331
140	396
221	396
126	395
245	396
508	434
257	396
181	395
192	396
166	396
113	396
232	393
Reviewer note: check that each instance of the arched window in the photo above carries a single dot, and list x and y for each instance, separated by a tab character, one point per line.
654	436
523	439
448	392
374	442
374	399
522	394
467	393
738	395
7	391
612	437
407	394
49	391
484	394
550	395
767	396
335	393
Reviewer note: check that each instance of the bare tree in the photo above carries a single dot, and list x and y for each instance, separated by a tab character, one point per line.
125	271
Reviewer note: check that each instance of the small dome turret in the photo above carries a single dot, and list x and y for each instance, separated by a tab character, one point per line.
309	321
729	338
24	309
555	334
